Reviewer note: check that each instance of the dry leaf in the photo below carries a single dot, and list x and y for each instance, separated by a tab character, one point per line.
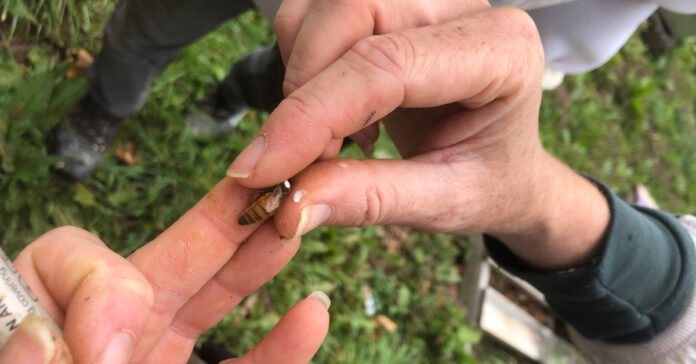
393	246
249	302
124	153
82	62
386	323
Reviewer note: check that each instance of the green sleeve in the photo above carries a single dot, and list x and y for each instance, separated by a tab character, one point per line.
640	284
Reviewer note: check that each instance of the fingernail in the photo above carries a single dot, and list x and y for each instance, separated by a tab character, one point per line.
244	164
37	330
312	216
322	297
118	350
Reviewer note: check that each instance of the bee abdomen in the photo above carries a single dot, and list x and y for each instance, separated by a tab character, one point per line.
253	214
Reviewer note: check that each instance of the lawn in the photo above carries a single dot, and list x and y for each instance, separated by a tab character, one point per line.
632	121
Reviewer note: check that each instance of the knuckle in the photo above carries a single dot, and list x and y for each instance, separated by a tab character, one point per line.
372	207
520	23
390	53
302	105
378	198
524	42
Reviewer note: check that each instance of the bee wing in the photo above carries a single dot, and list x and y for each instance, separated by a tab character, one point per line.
274	199
272	204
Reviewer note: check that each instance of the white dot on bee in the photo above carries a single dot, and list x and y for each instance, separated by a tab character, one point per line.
298	195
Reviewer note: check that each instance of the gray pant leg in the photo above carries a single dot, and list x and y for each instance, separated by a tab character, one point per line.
142	38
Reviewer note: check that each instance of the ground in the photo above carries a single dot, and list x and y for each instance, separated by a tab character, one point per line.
632	121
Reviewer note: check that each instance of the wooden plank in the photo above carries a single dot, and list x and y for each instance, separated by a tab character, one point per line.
474	282
510	324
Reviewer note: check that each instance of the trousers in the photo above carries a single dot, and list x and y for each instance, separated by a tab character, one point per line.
143	37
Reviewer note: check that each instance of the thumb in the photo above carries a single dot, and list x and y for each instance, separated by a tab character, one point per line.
297	337
35	342
431	196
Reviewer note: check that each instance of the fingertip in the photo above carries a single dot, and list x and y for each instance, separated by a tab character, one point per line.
36	340
245	163
298	335
321	297
313	312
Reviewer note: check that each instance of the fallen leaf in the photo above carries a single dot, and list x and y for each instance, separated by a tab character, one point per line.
249	302
124	153
82	60
393	246
386	323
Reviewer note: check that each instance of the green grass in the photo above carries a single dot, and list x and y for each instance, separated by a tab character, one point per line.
630	122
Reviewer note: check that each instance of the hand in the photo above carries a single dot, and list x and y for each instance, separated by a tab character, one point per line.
151	307
459	87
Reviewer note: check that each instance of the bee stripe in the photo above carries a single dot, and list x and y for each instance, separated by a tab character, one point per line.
244	220
259	212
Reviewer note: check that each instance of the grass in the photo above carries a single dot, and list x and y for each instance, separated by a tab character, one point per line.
630	122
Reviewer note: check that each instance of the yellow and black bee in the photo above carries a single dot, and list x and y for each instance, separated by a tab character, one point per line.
266	204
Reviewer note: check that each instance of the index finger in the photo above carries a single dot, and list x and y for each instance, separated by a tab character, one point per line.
330	28
180	261
473	60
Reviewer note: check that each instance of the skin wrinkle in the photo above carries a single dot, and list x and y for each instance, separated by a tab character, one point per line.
300	105
374	201
94	268
223	229
191	330
290	84
60	319
320	8
391	54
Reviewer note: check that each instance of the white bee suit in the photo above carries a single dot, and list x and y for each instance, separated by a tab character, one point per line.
581	35
578	35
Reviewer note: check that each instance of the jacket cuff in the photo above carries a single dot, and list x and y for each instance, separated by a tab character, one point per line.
640	284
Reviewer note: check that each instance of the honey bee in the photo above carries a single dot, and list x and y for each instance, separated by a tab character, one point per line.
265	204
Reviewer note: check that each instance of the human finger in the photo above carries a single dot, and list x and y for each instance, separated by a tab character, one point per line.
297	337
181	260
35	342
458	196
333	148
241	275
492	55
287	24
91	292
330	28
365	139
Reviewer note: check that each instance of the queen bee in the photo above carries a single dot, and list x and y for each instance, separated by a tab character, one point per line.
265	204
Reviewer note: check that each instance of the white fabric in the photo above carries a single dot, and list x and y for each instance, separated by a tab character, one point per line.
581	35
578	35
677	345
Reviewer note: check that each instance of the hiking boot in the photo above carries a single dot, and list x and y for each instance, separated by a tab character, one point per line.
255	82
211	118
82	137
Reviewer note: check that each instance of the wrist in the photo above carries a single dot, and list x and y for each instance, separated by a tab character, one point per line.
563	219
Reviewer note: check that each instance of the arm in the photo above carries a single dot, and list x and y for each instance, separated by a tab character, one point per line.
459	92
